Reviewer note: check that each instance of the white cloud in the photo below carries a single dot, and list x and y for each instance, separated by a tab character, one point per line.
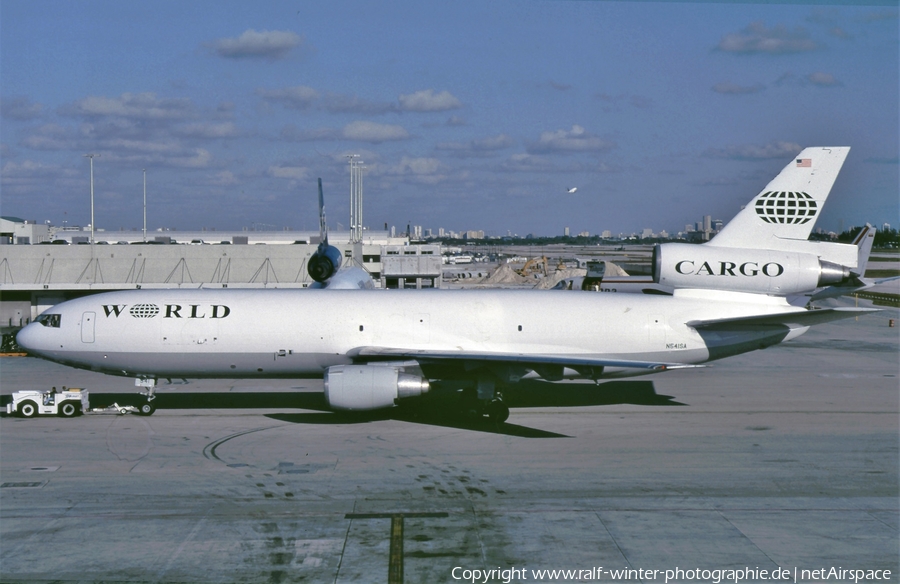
527	163
421	170
823	79
299	97
292	133
754	152
132	105
482	147
614	103
20	109
49	137
208	130
726	88
252	44
141	146
350	104
363	131
416	166
225	178
756	38
288	172
33	169
201	158
427	101
566	141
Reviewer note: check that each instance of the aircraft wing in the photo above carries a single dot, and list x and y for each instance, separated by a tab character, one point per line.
384	353
799	318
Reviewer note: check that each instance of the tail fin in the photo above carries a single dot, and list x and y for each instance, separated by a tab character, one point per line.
787	208
324	266
323	227
863	243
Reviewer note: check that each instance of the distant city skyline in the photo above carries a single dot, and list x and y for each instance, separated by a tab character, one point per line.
528	117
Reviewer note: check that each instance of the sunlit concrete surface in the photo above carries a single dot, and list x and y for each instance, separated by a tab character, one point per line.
786	458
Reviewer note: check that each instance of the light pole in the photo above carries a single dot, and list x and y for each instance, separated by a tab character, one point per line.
145	205
91	156
356	205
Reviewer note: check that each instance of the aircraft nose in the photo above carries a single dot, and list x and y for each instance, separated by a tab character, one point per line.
29	338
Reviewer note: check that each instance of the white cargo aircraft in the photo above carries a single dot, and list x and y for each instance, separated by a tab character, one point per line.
376	349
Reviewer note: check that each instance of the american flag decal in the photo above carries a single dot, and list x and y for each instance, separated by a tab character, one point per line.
804	162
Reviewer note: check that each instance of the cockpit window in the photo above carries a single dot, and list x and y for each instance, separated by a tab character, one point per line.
51	320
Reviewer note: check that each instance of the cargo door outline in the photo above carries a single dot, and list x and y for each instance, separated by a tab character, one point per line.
87	327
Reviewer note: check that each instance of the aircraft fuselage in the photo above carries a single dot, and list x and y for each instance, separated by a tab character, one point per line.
300	333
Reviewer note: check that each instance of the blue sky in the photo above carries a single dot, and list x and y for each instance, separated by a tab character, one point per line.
467	114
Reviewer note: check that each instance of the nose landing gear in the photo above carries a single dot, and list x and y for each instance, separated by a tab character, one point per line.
146	409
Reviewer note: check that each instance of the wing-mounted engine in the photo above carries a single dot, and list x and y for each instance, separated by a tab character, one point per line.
759	271
370	387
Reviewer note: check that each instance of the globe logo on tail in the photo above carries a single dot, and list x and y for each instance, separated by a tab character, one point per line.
781	207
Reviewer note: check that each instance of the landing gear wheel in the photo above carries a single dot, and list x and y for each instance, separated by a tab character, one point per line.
146	409
28	409
67	410
497	411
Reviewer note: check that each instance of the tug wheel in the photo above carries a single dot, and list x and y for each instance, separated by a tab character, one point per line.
67	409
28	409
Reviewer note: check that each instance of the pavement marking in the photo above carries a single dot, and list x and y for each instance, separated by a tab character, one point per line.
209	451
395	561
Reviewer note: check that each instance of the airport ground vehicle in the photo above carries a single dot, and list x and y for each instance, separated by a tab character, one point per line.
66	404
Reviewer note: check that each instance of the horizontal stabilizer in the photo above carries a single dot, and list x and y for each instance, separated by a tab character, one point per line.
379	353
796	319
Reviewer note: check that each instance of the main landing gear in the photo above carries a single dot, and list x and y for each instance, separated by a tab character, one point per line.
496	411
486	401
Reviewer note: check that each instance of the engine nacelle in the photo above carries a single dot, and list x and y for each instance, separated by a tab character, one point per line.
369	387
324	263
760	271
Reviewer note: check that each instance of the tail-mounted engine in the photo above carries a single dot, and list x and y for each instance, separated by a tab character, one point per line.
760	271
324	263
369	387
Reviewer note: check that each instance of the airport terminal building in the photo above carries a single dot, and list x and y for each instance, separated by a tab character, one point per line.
40	267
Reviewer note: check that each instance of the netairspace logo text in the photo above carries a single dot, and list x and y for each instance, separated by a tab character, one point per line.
736	576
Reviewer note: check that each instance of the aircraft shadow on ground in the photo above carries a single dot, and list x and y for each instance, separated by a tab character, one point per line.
543	394
443	409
